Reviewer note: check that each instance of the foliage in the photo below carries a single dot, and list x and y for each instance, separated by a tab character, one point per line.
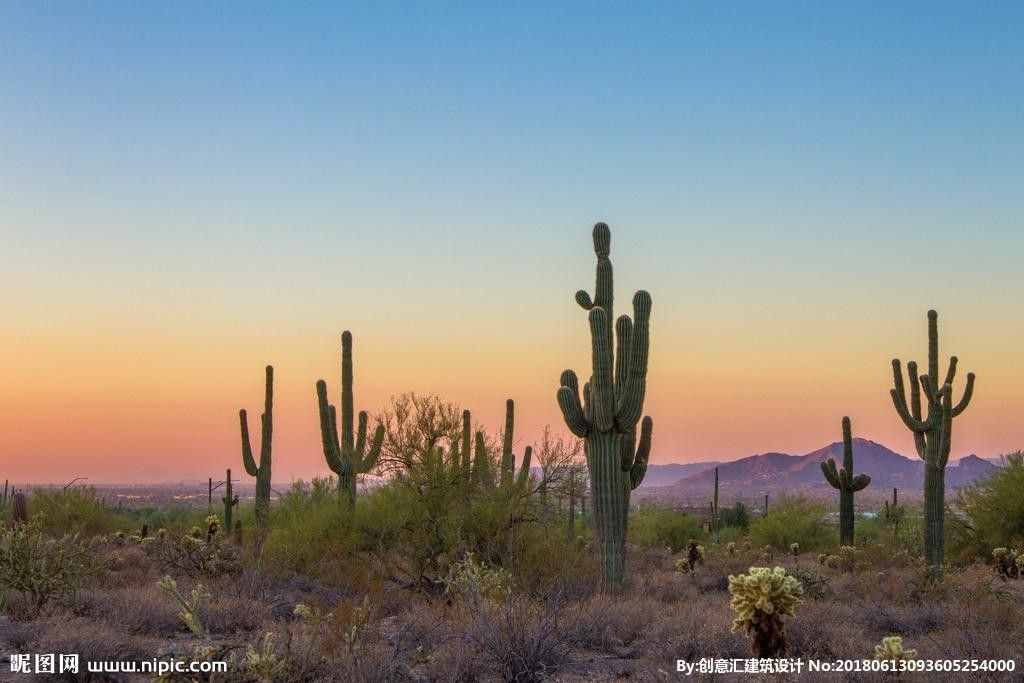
475	582
75	510
658	527
993	511
42	567
736	516
200	553
793	519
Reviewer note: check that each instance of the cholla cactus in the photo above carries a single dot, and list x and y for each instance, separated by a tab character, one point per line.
474	581
730	548
683	566
190	607
822	558
262	662
891	649
760	598
794	549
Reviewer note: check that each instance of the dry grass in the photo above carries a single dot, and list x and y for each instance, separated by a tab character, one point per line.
573	634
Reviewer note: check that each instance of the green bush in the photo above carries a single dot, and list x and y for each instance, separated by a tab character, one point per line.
993	512
310	531
658	527
794	519
76	510
736	516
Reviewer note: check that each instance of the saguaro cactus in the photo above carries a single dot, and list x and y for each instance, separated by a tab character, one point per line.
714	508
347	456
932	431
613	402
230	500
844	480
508	458
262	471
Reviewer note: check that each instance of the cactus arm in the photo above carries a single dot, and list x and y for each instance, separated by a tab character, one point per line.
643	452
623	332
328	433
951	371
602	389
572	412
588	405
965	400
933	346
360	447
372	456
508	462
947	425
828	468
899	397
603	289
860	482
524	472
631	402
247	459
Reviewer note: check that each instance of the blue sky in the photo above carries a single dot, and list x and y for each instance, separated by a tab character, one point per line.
228	168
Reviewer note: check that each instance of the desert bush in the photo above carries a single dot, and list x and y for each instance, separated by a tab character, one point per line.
737	517
993	512
311	529
474	582
520	640
43	568
199	553
76	510
793	519
658	527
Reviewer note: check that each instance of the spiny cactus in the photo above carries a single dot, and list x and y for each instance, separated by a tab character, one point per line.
612	404
760	598
19	508
694	553
891	649
508	458
794	549
848	484
932	431
348	454
261	471
230	500
1008	562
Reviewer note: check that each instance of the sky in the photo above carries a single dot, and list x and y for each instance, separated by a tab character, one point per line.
189	191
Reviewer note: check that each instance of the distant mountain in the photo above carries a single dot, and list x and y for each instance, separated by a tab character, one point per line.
776	473
663	475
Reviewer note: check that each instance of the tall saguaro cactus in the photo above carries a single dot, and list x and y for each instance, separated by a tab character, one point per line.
613	401
932	426
714	509
844	480
508	458
348	454
261	471
230	501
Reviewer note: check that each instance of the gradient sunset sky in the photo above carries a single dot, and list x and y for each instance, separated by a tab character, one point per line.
189	191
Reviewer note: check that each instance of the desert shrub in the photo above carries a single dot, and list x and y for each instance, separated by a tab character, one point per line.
310	531
474	582
793	519
520	640
194	554
658	527
737	516
76	510
41	567
993	512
